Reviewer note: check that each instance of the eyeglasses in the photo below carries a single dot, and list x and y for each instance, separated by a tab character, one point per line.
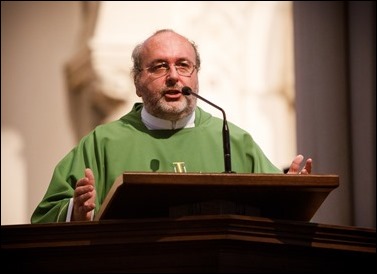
183	68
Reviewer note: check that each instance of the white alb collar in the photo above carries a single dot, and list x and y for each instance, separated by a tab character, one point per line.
154	123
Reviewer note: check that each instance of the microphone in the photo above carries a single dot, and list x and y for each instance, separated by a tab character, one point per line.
226	139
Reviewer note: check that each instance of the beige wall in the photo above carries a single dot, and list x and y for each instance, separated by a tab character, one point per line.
37	38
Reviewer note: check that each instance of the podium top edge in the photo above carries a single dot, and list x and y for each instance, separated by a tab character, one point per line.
329	180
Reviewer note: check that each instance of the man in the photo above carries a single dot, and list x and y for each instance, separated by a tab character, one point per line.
167	127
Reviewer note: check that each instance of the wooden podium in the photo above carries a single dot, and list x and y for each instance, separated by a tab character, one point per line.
135	241
147	195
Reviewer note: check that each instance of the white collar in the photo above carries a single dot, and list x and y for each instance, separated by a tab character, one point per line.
154	123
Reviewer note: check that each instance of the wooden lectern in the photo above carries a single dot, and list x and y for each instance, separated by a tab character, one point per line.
147	195
197	223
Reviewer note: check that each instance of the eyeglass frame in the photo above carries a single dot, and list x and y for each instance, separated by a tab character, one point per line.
168	68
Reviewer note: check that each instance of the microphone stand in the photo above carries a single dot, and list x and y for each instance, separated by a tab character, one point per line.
226	136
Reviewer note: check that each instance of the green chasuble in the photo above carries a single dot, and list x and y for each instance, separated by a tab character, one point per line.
127	145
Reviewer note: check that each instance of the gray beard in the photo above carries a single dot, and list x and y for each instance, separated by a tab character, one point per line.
171	111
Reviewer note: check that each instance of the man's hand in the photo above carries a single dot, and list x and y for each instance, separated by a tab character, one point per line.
84	197
296	164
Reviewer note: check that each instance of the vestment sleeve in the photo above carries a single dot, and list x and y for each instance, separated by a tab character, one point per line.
55	203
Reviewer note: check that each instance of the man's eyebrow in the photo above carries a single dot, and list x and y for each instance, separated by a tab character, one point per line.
158	61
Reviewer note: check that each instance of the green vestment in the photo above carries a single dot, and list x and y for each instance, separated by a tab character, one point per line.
127	145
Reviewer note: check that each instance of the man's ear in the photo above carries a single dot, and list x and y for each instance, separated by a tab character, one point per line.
138	93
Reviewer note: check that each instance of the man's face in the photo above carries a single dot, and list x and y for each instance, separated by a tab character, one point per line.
168	53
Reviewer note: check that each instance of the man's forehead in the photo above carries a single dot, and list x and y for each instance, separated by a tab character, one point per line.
165	45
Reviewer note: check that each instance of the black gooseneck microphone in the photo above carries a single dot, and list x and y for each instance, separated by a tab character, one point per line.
226	139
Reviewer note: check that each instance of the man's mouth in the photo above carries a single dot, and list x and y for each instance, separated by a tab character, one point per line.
172	94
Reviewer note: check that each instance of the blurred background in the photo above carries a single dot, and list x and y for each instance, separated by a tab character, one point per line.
299	76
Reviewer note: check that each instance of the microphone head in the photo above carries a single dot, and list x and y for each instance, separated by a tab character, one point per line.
186	90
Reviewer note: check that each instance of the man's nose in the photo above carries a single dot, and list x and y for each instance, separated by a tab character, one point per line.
172	76
172	72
